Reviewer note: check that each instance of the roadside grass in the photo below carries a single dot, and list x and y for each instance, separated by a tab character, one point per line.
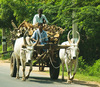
4	56
87	77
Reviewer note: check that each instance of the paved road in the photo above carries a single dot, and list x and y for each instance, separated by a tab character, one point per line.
35	80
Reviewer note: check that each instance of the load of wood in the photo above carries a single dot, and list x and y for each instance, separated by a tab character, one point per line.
53	31
20	30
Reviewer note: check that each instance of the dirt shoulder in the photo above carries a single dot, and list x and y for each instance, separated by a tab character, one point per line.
46	70
4	61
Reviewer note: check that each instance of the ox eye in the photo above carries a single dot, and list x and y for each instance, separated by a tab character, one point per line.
78	50
26	51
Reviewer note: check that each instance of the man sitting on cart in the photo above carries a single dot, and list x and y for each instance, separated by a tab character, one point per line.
43	39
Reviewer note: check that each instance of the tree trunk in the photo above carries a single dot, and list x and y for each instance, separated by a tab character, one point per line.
4	43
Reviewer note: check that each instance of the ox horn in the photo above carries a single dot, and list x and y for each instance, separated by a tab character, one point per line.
78	36
68	37
36	41
25	37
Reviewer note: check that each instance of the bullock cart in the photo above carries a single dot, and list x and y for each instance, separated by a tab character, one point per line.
49	58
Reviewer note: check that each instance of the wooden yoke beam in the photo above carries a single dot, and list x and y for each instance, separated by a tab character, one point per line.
53	46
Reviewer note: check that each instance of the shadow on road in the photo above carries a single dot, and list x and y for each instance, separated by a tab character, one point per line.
47	80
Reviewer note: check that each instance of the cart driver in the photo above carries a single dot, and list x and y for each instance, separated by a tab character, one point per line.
39	18
43	39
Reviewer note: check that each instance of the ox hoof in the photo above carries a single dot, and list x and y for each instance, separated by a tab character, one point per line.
23	79
62	79
72	78
69	81
27	77
17	77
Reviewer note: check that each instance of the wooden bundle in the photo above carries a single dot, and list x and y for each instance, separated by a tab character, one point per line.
25	25
53	31
19	32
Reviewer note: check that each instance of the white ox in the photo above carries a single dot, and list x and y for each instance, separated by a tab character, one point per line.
69	57
23	50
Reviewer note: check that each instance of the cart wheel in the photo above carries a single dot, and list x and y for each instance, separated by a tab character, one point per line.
41	68
54	72
13	68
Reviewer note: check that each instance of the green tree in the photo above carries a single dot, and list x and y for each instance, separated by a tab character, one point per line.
59	12
6	14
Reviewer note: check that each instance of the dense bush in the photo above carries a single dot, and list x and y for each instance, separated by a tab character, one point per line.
93	70
0	36
81	65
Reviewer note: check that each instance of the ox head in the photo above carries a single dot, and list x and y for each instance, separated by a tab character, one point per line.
27	53
73	50
27	50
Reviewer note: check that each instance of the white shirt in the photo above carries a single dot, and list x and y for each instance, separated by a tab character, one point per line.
37	19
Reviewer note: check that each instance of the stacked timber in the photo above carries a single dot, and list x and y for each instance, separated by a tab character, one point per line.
19	32
53	31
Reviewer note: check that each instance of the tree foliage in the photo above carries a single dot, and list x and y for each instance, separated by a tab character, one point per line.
59	12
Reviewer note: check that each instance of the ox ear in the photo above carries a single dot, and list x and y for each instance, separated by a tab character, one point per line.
23	46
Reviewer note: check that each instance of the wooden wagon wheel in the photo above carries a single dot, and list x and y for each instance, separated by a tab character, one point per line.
54	72
13	68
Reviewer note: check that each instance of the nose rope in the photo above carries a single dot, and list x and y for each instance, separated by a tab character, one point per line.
53	64
67	54
24	51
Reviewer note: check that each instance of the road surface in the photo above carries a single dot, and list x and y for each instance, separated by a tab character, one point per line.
36	79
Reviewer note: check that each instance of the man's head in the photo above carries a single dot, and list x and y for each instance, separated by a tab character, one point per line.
40	26
40	11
